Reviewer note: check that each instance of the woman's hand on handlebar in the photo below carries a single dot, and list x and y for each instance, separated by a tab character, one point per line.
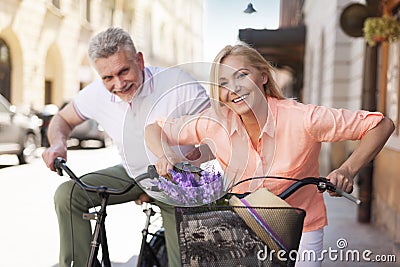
166	163
342	179
51	153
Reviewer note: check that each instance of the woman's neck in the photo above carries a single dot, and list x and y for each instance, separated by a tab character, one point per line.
256	119
254	125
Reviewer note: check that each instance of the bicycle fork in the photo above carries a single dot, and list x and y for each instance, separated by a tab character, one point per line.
99	234
145	247
149	212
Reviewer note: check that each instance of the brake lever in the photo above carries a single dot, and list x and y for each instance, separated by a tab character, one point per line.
325	184
152	171
57	163
60	172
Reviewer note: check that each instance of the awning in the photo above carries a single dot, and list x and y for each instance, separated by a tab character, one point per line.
283	47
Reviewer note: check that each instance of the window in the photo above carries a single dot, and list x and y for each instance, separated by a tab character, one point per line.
5	70
85	9
48	89
56	3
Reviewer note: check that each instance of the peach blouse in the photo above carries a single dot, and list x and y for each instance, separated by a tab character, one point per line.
288	146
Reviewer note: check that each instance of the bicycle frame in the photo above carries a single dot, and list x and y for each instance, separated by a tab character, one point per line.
99	236
145	246
99	233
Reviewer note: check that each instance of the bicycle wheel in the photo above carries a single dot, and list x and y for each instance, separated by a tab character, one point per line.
155	253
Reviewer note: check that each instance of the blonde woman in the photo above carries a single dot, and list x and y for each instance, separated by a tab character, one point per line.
254	130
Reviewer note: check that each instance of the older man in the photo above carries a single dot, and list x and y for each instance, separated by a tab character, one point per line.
126	85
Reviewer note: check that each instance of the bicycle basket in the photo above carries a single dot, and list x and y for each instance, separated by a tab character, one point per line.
219	236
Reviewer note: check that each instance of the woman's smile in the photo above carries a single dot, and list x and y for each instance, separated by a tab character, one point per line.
241	98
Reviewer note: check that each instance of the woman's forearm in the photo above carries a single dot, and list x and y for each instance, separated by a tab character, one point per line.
152	137
156	141
370	145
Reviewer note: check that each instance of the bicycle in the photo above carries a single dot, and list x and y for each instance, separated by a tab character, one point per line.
152	252
189	218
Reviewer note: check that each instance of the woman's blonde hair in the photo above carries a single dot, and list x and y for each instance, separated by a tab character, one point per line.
254	59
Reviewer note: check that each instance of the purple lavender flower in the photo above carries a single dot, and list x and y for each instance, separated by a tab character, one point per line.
186	188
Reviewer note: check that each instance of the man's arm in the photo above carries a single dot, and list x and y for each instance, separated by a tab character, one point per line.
60	128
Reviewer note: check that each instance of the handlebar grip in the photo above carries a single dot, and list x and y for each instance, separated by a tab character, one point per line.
57	165
151	170
348	196
186	167
333	188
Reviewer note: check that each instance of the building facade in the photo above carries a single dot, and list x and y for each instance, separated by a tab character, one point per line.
344	72
43	43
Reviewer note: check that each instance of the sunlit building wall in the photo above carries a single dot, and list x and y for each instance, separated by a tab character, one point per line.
333	68
46	41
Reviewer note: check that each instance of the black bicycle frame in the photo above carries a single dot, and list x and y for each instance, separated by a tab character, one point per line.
99	236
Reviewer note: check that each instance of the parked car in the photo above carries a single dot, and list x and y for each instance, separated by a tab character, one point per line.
19	132
45	115
88	130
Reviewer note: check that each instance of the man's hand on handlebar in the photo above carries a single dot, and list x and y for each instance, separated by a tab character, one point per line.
342	180
51	153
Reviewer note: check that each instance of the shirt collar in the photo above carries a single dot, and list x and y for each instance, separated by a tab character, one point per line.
148	83
269	127
232	120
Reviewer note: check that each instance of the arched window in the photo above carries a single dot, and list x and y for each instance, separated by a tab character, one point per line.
86	10
56	3
5	70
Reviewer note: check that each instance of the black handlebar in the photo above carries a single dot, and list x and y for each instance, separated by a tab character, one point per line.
322	183
60	166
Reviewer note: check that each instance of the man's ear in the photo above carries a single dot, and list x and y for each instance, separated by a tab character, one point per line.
140	60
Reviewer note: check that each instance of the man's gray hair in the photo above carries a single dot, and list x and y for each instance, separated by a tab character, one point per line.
109	42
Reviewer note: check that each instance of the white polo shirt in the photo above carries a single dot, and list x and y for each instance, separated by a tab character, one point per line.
165	92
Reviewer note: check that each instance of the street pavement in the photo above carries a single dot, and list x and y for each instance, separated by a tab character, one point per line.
28	225
346	238
29	229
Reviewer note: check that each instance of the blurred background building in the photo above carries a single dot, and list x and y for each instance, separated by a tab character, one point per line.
43	43
320	46
341	70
